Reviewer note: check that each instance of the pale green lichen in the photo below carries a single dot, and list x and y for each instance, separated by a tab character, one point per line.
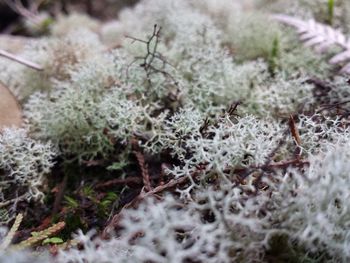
171	96
24	163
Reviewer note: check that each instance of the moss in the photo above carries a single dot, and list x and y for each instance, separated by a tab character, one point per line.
282	249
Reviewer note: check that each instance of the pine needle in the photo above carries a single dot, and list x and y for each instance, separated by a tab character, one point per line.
40	236
8	239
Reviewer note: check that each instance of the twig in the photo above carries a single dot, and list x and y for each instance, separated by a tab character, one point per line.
171	184
151	56
125	181
204	127
335	105
269	166
116	218
162	174
14	200
144	171
281	142
20	60
286	163
295	134
59	195
319	83
230	111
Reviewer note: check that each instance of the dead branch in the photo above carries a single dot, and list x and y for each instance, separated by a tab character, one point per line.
230	111
295	134
161	188
128	180
59	195
144	171
152	55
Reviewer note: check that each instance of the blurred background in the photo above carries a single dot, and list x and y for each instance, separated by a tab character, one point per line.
28	17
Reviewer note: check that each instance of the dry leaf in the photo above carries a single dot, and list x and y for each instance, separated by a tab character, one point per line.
10	111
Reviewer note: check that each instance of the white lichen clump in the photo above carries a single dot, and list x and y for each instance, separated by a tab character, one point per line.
24	163
251	128
321	204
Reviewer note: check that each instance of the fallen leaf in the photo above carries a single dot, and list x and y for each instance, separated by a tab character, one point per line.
10	110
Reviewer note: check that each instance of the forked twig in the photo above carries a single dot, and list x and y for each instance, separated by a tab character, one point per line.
152	55
230	111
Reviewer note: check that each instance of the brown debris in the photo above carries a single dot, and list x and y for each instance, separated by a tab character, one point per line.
10	110
144	171
294	130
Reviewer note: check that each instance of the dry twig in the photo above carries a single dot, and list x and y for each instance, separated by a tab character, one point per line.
144	171
152	55
20	60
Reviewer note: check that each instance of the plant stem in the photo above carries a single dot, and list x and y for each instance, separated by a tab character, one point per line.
20	60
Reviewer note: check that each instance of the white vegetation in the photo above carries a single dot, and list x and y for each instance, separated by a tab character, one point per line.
241	195
24	163
57	55
316	214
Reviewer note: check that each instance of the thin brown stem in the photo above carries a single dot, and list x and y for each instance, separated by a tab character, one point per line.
144	171
128	180
20	60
